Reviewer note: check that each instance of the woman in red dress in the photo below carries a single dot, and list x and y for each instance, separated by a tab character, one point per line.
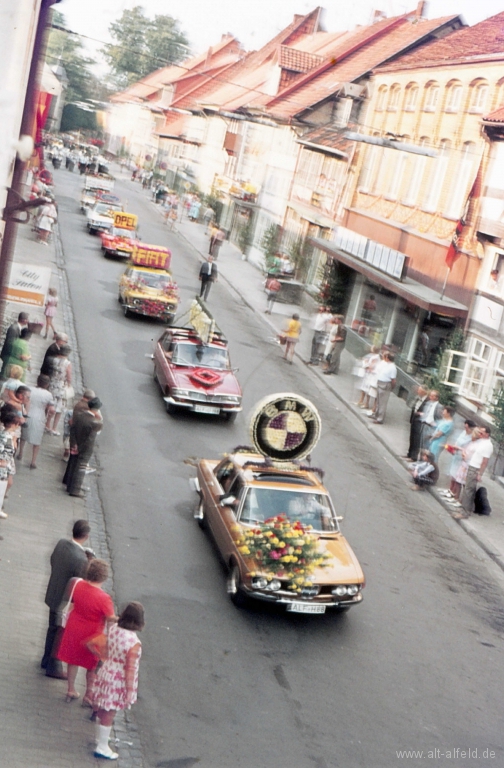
92	608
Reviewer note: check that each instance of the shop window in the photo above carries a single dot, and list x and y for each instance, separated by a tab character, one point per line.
411	97
479	96
464	176
437	177
453	97
431	97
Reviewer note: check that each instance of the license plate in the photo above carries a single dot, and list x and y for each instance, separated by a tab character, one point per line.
206	409
306	608
122	253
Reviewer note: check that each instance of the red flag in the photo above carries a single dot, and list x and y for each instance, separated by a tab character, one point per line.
452	254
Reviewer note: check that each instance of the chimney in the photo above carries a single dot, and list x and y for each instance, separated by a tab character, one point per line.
421	10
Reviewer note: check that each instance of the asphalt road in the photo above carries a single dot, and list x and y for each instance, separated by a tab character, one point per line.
417	666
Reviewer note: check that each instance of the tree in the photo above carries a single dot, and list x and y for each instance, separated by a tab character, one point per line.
142	45
496	411
74	118
245	236
300	253
336	290
270	244
66	50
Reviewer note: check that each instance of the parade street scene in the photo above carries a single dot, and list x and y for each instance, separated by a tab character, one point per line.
252	384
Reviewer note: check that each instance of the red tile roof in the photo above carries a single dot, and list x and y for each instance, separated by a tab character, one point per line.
297	60
497	116
330	137
482	41
356	56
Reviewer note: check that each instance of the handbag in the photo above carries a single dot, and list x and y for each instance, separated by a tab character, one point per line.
69	392
65	612
282	338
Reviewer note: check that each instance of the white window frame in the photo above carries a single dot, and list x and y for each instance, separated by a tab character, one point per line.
394	98
411	98
397	177
479	98
416	177
438	177
431	98
454	99
459	188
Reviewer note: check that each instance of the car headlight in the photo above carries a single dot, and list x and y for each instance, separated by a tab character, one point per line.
353	589
259	582
339	591
180	392
232	399
274	585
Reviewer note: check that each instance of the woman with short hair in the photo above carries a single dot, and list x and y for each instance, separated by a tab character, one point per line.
41	408
61	378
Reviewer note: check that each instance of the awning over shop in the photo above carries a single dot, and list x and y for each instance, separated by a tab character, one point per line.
410	290
308	213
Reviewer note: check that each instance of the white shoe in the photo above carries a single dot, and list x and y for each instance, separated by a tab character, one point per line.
106	755
446	493
3	514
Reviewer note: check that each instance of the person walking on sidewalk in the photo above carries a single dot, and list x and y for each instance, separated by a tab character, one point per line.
68	560
291	336
116	683
321	326
477	464
13	333
92	609
272	287
415	434
208	275
335	345
216	239
50	311
386	374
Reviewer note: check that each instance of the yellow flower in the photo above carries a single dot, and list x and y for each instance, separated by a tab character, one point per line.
244	550
281	544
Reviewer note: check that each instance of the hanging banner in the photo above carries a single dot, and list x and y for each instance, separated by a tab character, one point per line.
28	284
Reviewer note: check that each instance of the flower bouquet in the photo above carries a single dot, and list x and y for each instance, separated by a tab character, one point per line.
283	550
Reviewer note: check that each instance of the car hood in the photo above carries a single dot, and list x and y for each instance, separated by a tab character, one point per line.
150	293
228	383
343	567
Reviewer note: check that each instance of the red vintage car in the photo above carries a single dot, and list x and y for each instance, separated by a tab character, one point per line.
196	376
120	239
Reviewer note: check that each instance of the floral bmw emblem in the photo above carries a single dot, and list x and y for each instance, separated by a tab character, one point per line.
285	427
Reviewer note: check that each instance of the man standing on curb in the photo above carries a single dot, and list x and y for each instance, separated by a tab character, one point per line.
68	559
320	327
386	373
415	437
478	462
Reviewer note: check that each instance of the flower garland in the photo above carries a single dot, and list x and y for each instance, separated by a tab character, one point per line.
283	550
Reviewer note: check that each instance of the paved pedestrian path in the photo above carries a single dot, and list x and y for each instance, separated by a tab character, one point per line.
393	436
39	730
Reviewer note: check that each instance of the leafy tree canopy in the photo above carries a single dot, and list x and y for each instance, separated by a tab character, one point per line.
67	50
142	45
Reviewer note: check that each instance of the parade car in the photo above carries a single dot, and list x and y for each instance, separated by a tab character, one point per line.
120	240
257	510
100	218
194	375
147	287
94	188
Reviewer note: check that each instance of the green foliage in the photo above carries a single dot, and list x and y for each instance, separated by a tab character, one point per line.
270	244
496	411
142	45
435	380
335	292
300	253
245	235
212	201
67	50
76	119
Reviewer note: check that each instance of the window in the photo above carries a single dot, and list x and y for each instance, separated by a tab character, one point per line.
393	102
309	168
397	176
380	102
368	168
464	176
226	474
418	164
479	95
437	176
411	97
454	97
431	97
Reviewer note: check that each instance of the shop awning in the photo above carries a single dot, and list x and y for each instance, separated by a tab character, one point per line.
410	290
310	214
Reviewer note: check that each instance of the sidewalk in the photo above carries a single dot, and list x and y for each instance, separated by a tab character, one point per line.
393	435
38	728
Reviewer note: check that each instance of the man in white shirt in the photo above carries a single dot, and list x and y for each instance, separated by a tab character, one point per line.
386	373
477	464
320	327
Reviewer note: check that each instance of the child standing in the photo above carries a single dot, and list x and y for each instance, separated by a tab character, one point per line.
50	310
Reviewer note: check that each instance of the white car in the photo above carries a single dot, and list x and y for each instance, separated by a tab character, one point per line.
100	218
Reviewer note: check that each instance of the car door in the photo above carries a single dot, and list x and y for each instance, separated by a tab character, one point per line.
164	348
226	520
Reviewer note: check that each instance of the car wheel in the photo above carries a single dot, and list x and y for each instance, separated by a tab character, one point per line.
126	311
170	408
234	587
200	515
92	231
231	416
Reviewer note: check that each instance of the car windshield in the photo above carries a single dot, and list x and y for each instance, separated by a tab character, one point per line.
307	507
200	355
104	208
119	232
150	279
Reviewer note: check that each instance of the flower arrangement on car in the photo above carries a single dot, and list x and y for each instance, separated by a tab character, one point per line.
283	550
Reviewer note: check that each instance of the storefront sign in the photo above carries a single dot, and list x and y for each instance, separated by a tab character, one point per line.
125	220
285	427
380	257
28	284
202	321
153	256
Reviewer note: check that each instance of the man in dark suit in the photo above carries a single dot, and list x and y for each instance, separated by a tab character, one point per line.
207	275
68	559
86	424
415	436
13	333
